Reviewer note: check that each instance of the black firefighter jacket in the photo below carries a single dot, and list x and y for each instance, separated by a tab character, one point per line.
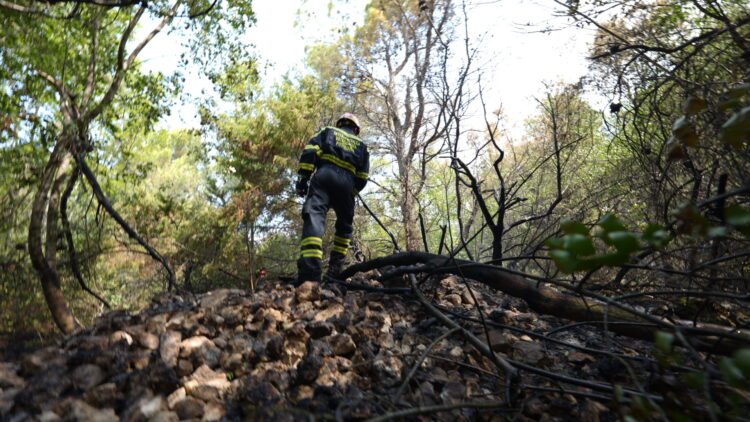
338	147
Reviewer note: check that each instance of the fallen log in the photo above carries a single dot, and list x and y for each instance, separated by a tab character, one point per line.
583	306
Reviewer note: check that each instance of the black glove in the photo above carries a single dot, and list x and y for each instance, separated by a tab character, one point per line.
301	186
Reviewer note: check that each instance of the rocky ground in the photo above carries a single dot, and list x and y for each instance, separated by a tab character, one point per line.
312	352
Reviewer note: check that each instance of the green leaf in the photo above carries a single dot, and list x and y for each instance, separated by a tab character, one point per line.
675	150
716	231
729	104
610	223
680	124
619	394
555	243
588	264
738	91
692	220
693	105
564	260
694	379
610	259
578	244
677	416
569	226
737	129
737	216
689	138
742	360
625	242
685	132
732	374
656	235
664	341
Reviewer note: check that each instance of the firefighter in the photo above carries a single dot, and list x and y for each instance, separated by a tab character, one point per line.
333	169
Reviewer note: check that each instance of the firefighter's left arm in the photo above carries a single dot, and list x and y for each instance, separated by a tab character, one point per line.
363	170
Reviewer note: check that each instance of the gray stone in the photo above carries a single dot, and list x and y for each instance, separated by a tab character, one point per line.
388	367
453	392
206	384
332	312
148	340
119	336
151	406
104	395
342	344
318	329
200	350
214	411
169	346
6	399
176	396
307	292
215	298
309	368
528	352
87	376
80	411
500	341
49	416
164	416
189	408
8	376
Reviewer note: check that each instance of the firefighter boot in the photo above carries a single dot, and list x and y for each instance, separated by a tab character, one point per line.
335	265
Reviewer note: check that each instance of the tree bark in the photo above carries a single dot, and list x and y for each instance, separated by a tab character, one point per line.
44	214
706	337
409	220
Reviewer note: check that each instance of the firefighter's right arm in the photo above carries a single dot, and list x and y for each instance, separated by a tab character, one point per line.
309	158
363	170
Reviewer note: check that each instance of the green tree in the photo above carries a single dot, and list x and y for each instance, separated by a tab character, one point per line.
258	146
70	61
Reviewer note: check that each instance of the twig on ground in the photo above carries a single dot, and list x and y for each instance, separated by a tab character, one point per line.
482	347
419	361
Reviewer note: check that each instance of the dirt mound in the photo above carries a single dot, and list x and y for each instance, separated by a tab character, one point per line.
294	353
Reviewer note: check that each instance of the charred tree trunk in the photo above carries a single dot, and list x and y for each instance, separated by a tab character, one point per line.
707	337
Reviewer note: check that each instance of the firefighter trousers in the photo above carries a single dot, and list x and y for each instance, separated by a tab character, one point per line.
330	187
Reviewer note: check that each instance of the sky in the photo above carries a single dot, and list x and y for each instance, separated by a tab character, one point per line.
518	57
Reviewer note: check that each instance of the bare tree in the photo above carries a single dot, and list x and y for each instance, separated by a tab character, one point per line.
396	73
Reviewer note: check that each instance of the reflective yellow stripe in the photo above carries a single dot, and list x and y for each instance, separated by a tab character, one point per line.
341	240
322	130
340	249
307	166
312	241
312	253
339	162
348	135
317	149
362	175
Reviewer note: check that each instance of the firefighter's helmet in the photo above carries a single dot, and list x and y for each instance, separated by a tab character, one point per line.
346	118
